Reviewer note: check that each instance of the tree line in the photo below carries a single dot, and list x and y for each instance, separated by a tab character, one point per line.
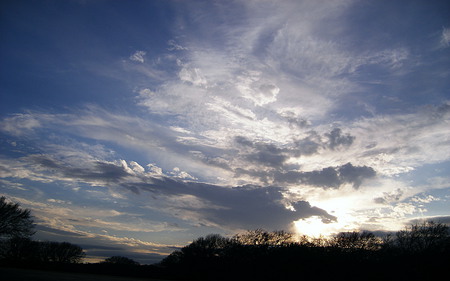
418	252
16	245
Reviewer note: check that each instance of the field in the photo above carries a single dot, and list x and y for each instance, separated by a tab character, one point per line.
15	274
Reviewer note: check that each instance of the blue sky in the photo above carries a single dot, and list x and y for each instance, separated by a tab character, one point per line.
134	127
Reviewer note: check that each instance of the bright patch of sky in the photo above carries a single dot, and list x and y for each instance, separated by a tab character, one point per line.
137	127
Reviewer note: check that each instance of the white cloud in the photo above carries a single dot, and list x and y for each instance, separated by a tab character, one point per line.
138	56
445	37
424	199
173	46
193	76
136	168
398	143
19	124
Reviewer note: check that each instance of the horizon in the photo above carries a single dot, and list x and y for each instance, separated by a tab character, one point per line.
134	128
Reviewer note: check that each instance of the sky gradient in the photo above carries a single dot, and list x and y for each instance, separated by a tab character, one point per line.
133	127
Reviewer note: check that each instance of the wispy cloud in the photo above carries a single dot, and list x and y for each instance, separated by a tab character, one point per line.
138	56
19	124
445	37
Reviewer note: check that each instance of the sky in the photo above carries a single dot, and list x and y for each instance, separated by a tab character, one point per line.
133	127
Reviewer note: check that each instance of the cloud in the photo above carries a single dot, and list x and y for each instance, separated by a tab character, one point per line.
413	139
138	56
19	124
239	207
439	219
426	199
389	197
275	77
295	120
236	207
193	76
239	85
309	145
336	139
269	154
92	172
262	153
173	46
239	151
330	177
445	37
355	175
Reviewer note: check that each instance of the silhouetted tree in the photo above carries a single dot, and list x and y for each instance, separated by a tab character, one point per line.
211	245
61	252
119	260
14	221
261	237
422	237
174	259
262	255
356	241
24	249
20	249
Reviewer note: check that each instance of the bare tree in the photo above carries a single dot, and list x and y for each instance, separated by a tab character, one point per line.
357	241
420	237
63	252
261	237
210	246
20	249
14	221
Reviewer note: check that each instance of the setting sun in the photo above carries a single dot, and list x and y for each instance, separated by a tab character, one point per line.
315	227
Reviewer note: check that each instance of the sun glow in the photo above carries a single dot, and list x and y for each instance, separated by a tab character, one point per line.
315	227
343	207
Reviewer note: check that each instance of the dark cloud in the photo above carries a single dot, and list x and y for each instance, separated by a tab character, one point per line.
256	207
263	175
330	177
101	171
236	207
355	174
327	177
438	219
271	155
96	171
336	139
294	120
265	154
307	146
42	230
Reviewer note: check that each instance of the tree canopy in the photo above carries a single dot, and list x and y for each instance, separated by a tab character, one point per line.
15	221
262	255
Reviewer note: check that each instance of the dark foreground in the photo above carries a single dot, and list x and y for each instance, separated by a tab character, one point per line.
18	274
421	252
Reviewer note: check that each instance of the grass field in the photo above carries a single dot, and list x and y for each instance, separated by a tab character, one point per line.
15	274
